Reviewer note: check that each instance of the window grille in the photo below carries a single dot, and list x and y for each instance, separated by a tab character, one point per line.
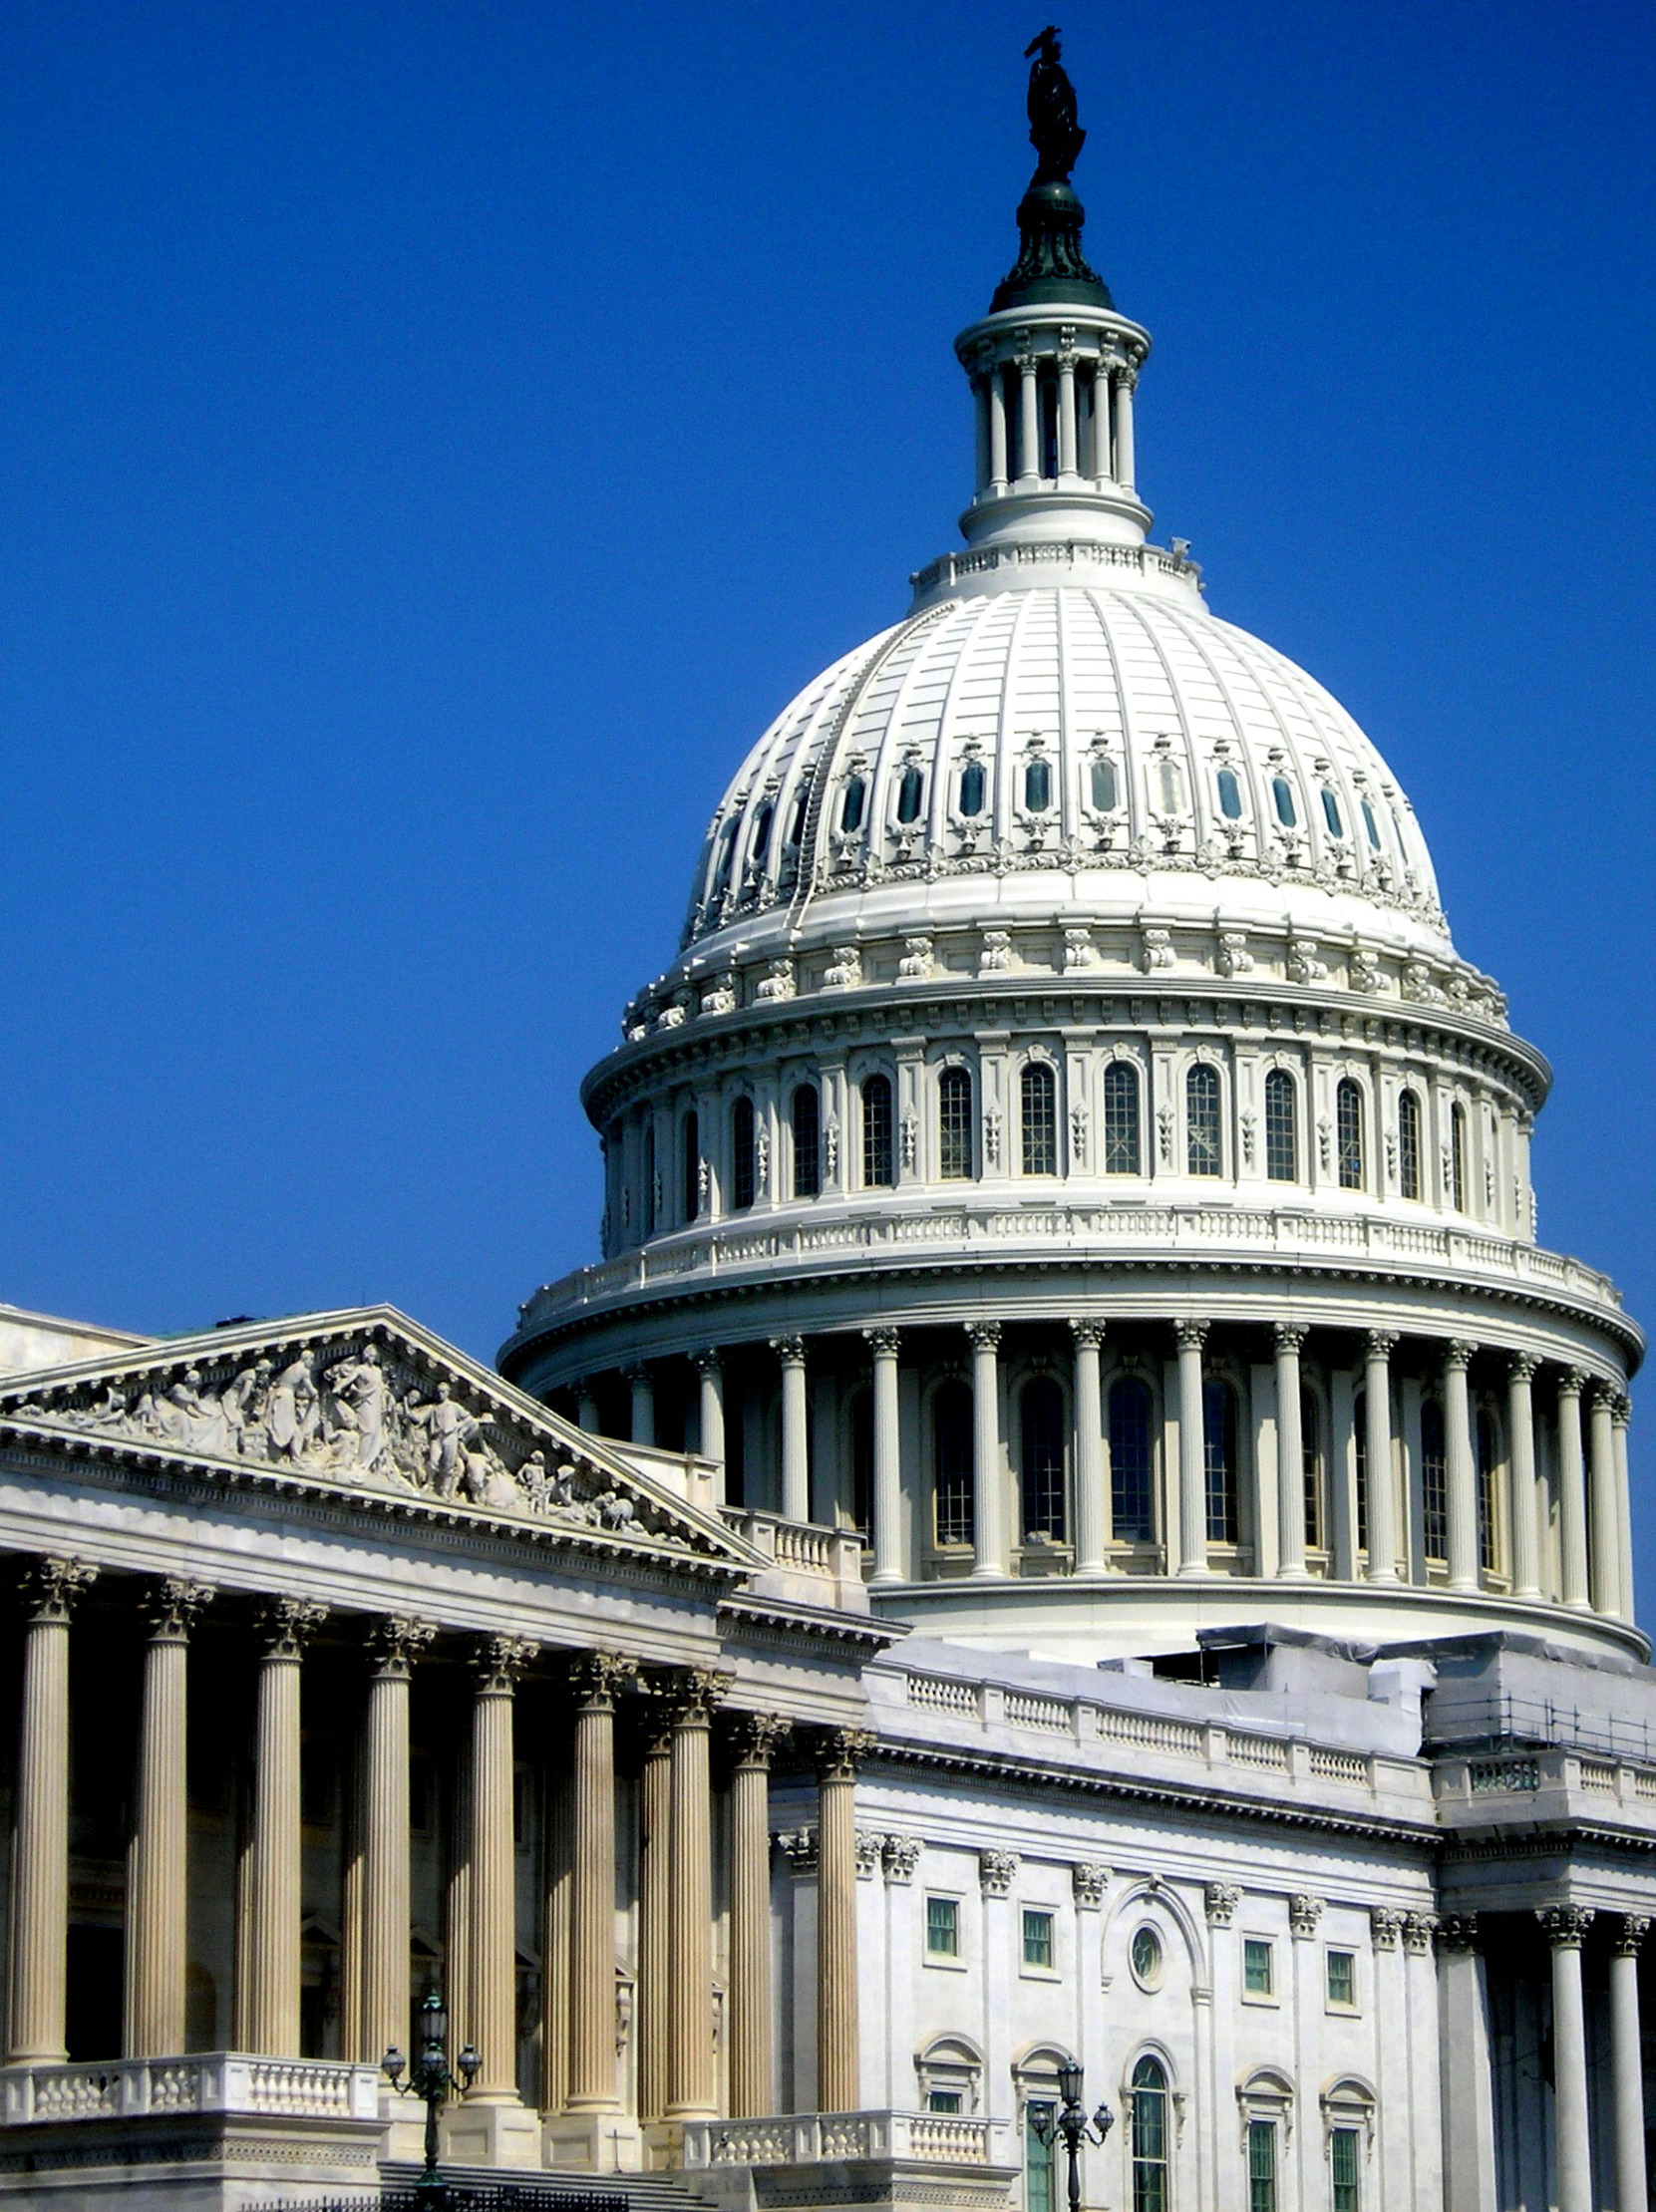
879	1163
1201	1120
954	1125
1121	1118
1409	1144
1130	1462
1434	1483
1281	1133
742	1154
1348	1124
1042	1423
807	1141
951	1425
1218	1443
1038	1096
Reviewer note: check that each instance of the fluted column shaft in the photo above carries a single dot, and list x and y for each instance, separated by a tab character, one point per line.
1377	1440
997	430
886	1503
711	1368
272	2012
40	1834
1193	1452
1521	1430
1028	420
690	2085
595	1681
1290	1455
1605	1514
158	1862
837	2055
1101	458
1459	1469
497	1663
752	2007
1566	1929
655	1859
1624	1504
796	1449
393	1647
1126	464
987	1536
1065	414
1572	1490
1627	2065
1092	1493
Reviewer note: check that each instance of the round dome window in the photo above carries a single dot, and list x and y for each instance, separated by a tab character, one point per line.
1145	1957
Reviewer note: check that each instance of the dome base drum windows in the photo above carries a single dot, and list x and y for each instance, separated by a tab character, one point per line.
951	1480
1121	1120
690	1160
1219	1432
1281	1127
879	1153
743	1180
1409	1146
1348	1133
1202	1120
1311	1460
1434	1484
1038	1105
806	1117
1131	1492
1041	1438
954	1125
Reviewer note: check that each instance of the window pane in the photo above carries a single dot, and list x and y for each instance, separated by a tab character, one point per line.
1331	814
742	1154
1219	1441
691	1195
1348	1110
1486	1430
971	789
1310	1446
1130	1462
1261	2166
649	1182
910	792
1042	1459
951	1425
1039	1097
879	1169
943	1927
851	810
1343	2168
1037	787
1202	1120
1370	825
1104	785
944	2100
1037	1939
954	1125
1147	2125
1256	1966
1282	797
1409	1144
1342	1978
1039	2195
1458	1157
1434	1483
862	1460
808	1149
1121	1118
1281	1136
1230	794
1360	1441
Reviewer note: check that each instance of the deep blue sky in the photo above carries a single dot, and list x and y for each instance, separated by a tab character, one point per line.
437	438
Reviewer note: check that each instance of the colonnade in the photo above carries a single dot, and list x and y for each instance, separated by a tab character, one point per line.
1093	421
1587	1435
677	2072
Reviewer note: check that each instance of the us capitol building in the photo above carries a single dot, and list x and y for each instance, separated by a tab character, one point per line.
1073	1522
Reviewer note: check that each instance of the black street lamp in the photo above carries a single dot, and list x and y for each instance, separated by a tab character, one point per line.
431	2081
1071	2124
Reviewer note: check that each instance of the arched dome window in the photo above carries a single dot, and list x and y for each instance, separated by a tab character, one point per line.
1104	785
878	1161
1131	1489
1038	1103
1282	798
1218	1445
1409	1144
1281	1127
1230	794
690	1163
1433	1483
911	792
972	789
1311	1462
1331	814
1348	1132
852	806
954	1125
722	862
806	1117
951	1465
1041	1458
1201	1120
1121	1118
742	1155
1170	789
1458	1156
760	843
1149	2132
1489	1456
1371	828
1037	787
796	823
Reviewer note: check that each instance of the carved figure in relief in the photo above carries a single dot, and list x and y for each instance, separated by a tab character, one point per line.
241	1401
291	1410
447	1429
359	1401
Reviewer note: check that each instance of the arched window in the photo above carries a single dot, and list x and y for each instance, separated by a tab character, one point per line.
1281	1130
690	1161
1458	1156
951	1464
1037	787
1038	1097
1311	1459
954	1125
1348	1132
1230	794
796	822
1104	785
1201	1120
1131	1494
971	789
1282	798
742	1155
1169	789
806	1117
1360	1452
1331	814
911	790
1370	825
1433	1483
1218	1448
759	843
1041	1460
879	1163
1409	1144
1488	1458
649	1215
1149	2123
851	806
1121	1118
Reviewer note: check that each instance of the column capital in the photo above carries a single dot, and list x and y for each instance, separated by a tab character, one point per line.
1566	1926
497	1661
1088	1335
49	1587
1127	376
1572	1381
286	1625
1304	1916
884	1342
170	1606
710	1363
637	1371
1287	1335
996	1872
789	1349
599	1679
1630	1934
1418	1931
691	1695
754	1736
798	1847
842	1752
1621	1413
899	1857
1384	1926
1379	1344
1457	1932
1190	1335
1523	1367
1604	1393
393	1645
983	1336
1219	1901
1458	1354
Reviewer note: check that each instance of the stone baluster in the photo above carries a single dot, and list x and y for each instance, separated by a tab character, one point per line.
795	1447
689	2078
1604	1515
837	2055
1290	1453
987	1537
886	1505
1459	1469
752	2010
643	1402
596	1681
710	1367
40	1832
1190	1335
1127	379
1572	1490
1092	1491
1378	1344
1521	1425
655	1863
285	1626
393	1645
1566	1930
1029	422
1627	2062
157	1859
497	1663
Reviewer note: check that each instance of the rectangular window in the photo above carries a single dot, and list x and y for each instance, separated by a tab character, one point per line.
954	1125
807	1141
1256	1966
878	1159
1038	1939
1038	1098
1342	1978
1039	2194
1261	2166
1202	1120
1121	1118
944	2100
1434	1483
943	1927
1344	2169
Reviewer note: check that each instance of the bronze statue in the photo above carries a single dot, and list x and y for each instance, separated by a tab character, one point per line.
1053	130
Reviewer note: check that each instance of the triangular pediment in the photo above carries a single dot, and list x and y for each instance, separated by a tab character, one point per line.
367	1403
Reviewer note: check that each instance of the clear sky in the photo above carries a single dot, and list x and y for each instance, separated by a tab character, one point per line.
438	437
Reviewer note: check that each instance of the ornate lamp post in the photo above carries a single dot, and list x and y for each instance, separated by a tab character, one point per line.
1071	2125
431	2080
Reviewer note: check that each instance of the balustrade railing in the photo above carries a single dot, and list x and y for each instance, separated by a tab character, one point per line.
808	2138
215	2081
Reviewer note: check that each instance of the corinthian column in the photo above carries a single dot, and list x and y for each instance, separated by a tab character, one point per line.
596	1680
796	1451
991	1558
655	1865
40	1832
752	2020
887	1499
497	1663
1290	1455
158	1867
393	1645
1566	1930
1091	1495
837	2066
1459	1469
1377	1441
272	2010
1521	1425
710	1440
1606	1519
1627	2062
1572	1490
690	2088
1190	1335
